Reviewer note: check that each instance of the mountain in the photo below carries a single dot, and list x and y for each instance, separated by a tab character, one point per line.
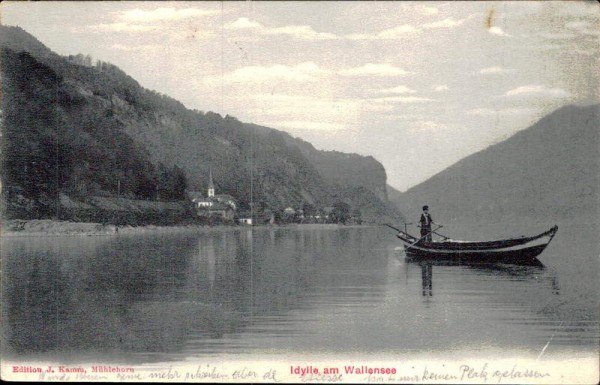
53	143
345	169
105	135
394	196
549	171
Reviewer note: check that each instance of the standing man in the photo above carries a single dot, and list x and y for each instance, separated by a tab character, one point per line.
425	224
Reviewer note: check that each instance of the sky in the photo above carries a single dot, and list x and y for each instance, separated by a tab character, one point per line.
417	85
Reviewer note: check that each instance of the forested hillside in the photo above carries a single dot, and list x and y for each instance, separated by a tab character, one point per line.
82	128
55	142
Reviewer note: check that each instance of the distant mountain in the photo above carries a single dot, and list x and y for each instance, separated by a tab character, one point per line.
352	178
110	129
394	196
549	171
346	169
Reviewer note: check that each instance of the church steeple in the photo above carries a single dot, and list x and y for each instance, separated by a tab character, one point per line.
211	185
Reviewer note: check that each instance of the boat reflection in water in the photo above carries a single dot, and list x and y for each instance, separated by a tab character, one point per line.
532	270
427	279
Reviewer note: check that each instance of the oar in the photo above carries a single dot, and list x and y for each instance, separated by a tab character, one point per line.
397	229
441	235
417	241
392	227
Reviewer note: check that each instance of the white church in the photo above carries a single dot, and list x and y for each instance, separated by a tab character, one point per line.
214	205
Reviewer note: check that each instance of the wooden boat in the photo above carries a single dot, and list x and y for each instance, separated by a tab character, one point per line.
515	250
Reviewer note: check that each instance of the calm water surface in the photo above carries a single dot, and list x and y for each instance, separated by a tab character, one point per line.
148	298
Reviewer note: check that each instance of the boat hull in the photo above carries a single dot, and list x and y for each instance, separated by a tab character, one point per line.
521	256
515	251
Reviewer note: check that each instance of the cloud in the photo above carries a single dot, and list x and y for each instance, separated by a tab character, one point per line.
308	33
446	23
524	8
120	27
371	69
403	117
303	111
582	27
481	111
554	35
402	99
302	72
549	47
309	125
426	10
571	30
161	14
406	30
301	32
584	52
398	90
428	125
243	23
579	8
536	90
498	31
388	104
579	24
140	20
502	111
143	47
398	31
441	87
421	126
494	70
391	33
367	105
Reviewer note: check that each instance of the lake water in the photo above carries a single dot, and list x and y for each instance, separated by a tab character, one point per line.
172	297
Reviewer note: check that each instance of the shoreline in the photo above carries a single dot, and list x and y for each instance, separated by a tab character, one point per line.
20	228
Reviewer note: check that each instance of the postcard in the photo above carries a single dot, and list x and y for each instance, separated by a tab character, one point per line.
301	192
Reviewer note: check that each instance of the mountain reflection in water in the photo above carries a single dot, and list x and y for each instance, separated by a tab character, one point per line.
146	298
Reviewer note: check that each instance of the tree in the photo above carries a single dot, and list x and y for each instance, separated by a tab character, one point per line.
356	216
309	210
341	212
171	183
179	183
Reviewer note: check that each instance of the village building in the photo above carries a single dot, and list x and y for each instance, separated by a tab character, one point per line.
257	217
328	213
195	197
245	218
218	210
213	205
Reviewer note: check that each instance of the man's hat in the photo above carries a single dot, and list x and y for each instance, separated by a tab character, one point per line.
425	208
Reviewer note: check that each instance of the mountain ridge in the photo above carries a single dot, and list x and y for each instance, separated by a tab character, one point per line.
547	171
248	161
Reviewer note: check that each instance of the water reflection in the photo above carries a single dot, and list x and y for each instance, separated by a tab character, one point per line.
534	270
92	298
427	279
148	298
157	294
